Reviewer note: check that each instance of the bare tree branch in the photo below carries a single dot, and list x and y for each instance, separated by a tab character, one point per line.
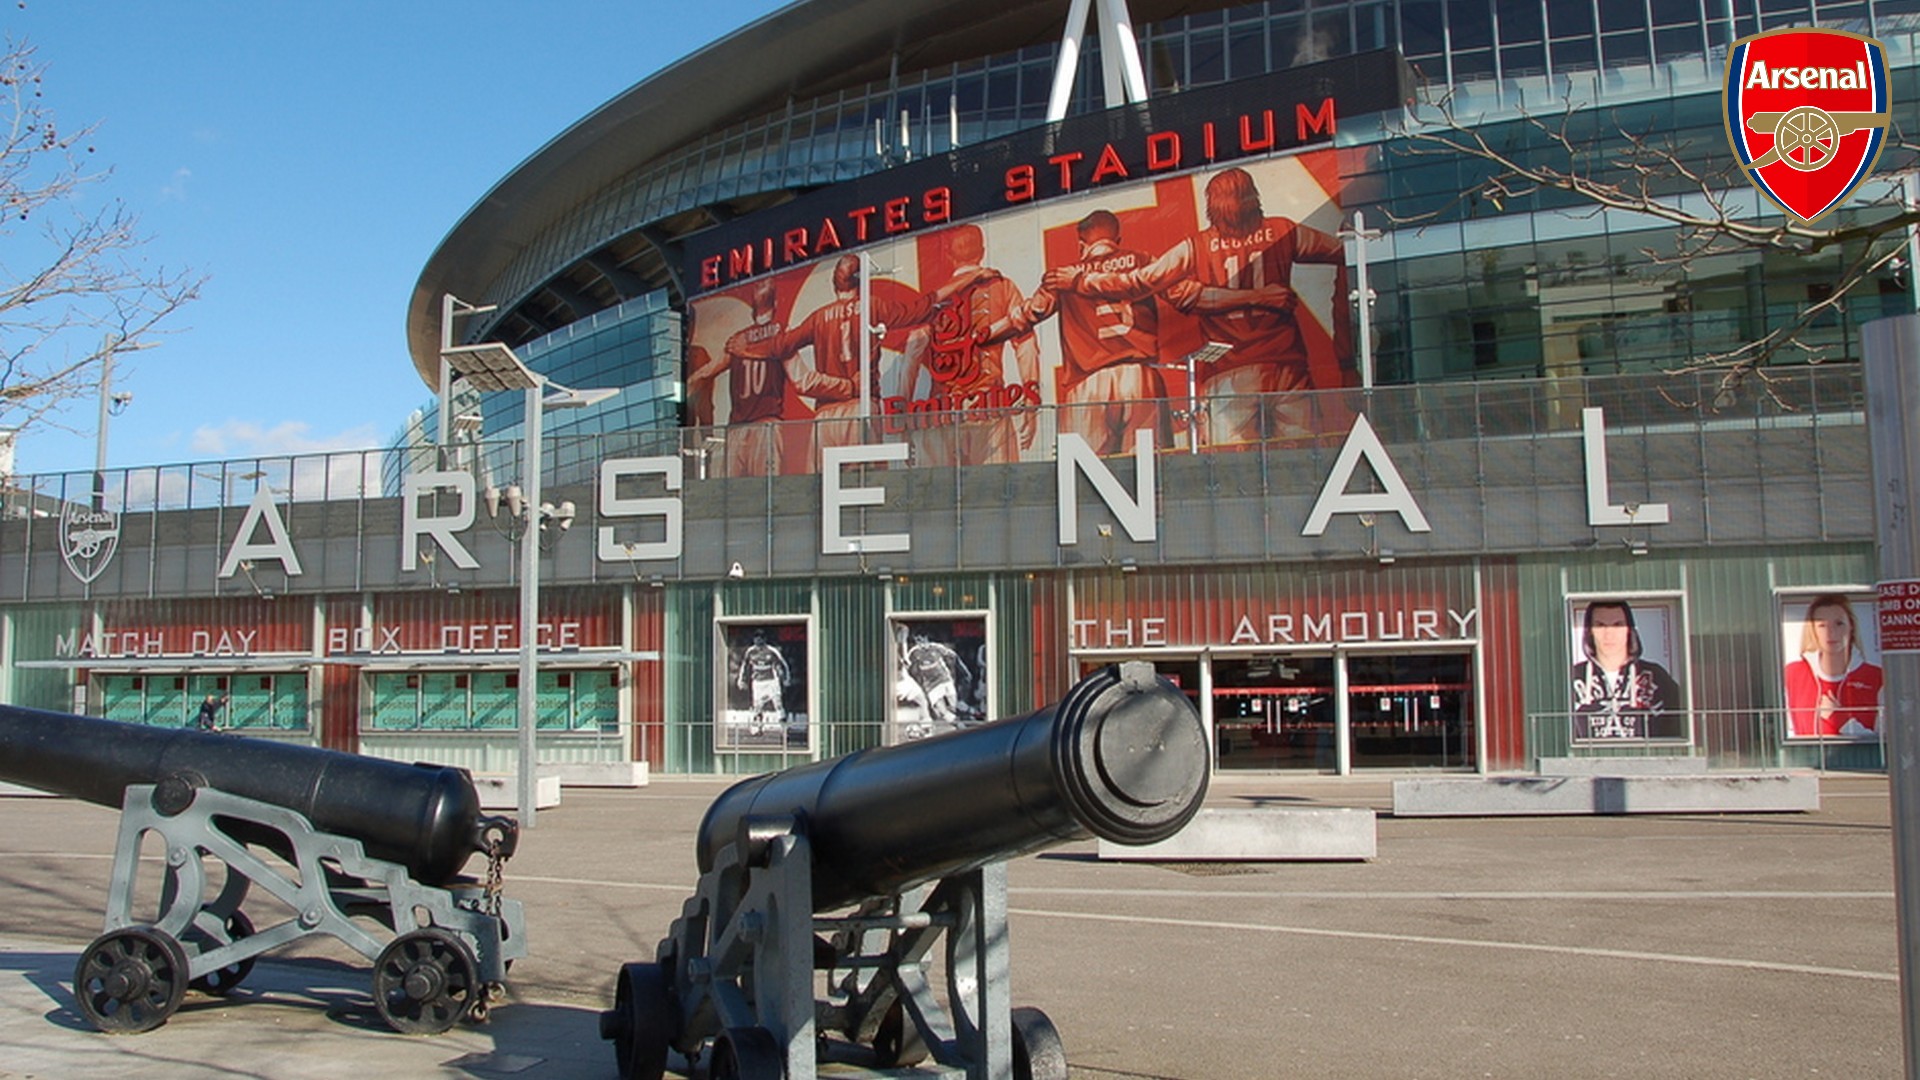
1651	176
74	288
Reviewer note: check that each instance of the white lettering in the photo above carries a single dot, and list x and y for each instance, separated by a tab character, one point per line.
279	545
414	525
836	500
1136	515
1397	498
1593	438
672	471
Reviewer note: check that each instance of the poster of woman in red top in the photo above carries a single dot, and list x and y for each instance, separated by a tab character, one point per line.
1831	677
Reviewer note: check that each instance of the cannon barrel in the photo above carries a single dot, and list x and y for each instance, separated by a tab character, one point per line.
1122	756
425	817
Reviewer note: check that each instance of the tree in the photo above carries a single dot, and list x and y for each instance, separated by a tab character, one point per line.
1584	160
74	290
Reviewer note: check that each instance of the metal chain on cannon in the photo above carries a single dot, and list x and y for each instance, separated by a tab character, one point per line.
498	838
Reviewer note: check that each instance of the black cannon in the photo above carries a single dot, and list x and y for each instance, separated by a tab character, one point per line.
760	978
338	840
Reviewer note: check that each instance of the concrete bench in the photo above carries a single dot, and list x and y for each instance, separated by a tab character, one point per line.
1261	834
1716	793
501	791
1670	765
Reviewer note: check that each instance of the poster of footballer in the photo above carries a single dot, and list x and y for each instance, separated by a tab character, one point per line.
940	682
1077	315
763	689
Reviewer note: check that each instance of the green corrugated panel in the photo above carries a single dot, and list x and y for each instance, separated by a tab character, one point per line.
36	632
688	675
1732	629
852	665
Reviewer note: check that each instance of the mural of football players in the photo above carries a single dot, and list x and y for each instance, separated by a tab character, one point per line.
1236	277
831	332
967	371
760	369
1109	386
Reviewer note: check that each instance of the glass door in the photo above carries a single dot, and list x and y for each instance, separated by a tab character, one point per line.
1410	710
1275	712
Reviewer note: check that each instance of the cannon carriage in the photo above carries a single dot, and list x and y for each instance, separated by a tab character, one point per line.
809	945
367	851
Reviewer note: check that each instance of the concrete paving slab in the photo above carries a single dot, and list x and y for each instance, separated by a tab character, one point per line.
1646	946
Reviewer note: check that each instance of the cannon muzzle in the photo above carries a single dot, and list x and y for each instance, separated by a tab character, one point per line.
1122	756
424	817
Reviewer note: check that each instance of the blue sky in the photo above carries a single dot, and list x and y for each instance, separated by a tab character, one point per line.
308	158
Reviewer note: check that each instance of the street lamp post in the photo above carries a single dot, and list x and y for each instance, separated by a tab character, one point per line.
111	404
492	366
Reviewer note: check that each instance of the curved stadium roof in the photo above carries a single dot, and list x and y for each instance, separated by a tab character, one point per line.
798	53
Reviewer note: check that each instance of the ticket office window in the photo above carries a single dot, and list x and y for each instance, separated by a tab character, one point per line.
564	700
254	701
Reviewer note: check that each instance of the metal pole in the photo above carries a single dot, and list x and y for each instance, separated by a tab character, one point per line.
530	610
100	430
1363	296
1892	369
1910	185
865	324
1193	406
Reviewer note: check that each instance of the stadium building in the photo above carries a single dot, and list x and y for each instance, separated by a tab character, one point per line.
888	364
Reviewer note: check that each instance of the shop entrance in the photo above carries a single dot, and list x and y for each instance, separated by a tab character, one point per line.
1298	712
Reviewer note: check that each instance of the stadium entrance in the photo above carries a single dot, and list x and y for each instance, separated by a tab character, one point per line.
1384	710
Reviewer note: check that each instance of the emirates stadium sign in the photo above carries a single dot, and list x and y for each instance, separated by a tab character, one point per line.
1806	112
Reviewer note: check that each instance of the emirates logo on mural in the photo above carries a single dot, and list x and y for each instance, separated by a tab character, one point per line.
88	539
1806	112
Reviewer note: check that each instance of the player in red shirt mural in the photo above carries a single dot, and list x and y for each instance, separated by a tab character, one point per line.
831	331
970	416
1236	276
1109	384
760	370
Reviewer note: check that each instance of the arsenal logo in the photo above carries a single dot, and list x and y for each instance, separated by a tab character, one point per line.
1806	112
88	539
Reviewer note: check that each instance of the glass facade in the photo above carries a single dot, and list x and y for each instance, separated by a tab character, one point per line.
1465	289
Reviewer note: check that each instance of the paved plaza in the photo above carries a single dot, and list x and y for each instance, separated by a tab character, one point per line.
1641	946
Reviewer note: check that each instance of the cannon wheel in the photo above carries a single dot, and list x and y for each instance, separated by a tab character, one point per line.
130	980
222	981
1038	1053
747	1053
641	1021
425	981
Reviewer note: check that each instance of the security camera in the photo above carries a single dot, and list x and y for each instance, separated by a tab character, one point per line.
736	571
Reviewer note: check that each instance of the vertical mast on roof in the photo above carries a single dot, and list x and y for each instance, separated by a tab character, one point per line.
1120	69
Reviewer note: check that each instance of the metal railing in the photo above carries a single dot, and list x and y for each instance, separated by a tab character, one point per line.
1419	414
1718	739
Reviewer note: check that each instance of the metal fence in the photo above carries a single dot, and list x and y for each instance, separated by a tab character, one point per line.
1718	739
1422	414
